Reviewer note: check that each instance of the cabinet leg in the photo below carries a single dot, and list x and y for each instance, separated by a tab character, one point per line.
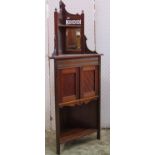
58	148
98	134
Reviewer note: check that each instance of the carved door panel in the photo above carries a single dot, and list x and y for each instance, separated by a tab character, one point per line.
89	81
69	84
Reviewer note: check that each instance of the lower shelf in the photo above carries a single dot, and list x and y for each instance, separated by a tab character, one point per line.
73	134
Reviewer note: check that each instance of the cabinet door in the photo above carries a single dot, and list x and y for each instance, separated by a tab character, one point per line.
68	84
89	81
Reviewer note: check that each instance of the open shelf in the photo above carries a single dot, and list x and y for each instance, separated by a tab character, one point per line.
77	121
73	134
74	26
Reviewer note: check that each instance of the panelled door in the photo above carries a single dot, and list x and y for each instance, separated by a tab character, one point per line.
89	81
78	82
68	84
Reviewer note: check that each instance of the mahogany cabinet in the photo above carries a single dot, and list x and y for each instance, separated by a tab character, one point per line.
77	79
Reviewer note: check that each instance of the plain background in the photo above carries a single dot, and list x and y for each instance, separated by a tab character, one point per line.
99	40
22	77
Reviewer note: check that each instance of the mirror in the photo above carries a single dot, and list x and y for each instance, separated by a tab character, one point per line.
73	39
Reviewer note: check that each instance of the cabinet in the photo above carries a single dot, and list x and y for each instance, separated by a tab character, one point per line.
77	80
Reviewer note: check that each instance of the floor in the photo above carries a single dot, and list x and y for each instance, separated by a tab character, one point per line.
88	145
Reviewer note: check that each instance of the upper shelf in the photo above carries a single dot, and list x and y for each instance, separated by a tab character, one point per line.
66	26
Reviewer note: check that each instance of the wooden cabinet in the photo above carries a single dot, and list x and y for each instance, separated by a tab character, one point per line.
77	80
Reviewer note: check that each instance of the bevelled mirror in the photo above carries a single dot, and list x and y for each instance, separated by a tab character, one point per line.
73	39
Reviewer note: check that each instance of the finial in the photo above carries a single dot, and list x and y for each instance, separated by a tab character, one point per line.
55	9
60	2
82	11
62	5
